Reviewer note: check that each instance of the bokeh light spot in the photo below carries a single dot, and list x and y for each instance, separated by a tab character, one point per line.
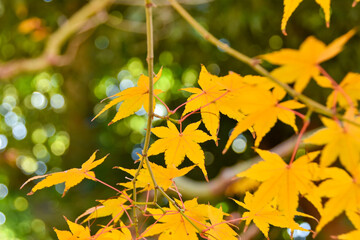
3	141
19	131
41	168
58	148
38	100
3	191
39	135
125	84
135	152
21	204
11	119
27	164
2	218
57	101
239	144
275	42
102	42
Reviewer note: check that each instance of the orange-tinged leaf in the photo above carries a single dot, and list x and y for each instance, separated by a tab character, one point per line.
163	176
291	5
351	86
173	226
263	111
219	228
340	141
71	177
343	192
284	182
177	145
265	215
77	232
132	98
300	66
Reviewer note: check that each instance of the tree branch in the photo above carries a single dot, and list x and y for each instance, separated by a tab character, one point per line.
51	55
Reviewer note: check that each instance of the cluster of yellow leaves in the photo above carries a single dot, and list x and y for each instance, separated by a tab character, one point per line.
291	5
173	225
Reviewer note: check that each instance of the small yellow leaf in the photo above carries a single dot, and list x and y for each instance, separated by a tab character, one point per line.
71	177
177	145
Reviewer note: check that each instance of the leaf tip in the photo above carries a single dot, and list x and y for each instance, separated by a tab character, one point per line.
224	151
284	32
30	193
110	123
354	3
327	24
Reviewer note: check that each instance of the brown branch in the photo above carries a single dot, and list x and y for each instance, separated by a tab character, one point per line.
217	186
81	21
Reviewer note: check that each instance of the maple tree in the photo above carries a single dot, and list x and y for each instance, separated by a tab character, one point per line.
257	103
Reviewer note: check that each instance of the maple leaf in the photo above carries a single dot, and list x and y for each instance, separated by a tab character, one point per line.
340	141
284	181
351	86
177	144
132	98
204	99
114	207
219	228
109	233
291	5
71	177
77	232
343	192
264	215
173	226
163	176
300	66
263	110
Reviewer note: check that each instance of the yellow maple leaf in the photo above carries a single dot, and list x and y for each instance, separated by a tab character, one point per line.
291	5
163	176
177	145
77	232
284	181
265	215
114	207
109	233
263	110
351	86
219	229
204	99
343	192
132	98
300	66
173	226
71	177
341	141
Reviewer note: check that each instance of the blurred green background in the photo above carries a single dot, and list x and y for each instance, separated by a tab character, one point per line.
45	116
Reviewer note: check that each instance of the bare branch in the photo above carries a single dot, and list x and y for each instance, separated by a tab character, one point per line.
81	21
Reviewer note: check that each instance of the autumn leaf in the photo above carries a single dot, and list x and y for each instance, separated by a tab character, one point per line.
262	111
219	229
173	226
351	87
132	99
77	232
343	192
71	177
291	5
300	66
284	181
163	176
114	207
109	233
341	141
204	100
264	215
177	145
